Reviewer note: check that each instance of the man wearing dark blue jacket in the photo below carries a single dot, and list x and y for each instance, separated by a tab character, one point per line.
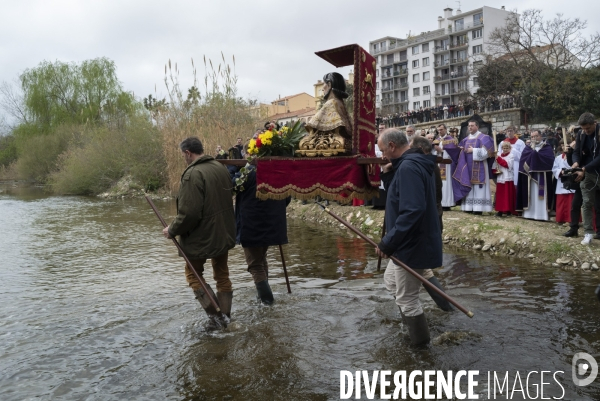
412	225
260	224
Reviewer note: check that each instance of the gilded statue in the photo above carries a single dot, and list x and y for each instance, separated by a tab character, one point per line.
330	130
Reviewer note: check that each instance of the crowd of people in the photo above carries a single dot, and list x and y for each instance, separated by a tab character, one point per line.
521	174
446	111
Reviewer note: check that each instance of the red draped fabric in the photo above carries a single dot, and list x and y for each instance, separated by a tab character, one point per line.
334	178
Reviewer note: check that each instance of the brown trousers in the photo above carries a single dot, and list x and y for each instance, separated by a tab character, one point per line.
220	273
256	259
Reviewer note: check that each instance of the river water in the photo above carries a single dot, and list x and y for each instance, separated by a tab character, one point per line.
94	306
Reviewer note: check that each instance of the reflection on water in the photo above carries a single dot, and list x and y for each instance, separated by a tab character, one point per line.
94	305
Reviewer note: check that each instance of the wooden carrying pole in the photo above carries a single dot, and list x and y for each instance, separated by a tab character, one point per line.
164	223
287	280
399	263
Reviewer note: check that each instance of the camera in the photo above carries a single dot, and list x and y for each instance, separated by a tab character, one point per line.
567	177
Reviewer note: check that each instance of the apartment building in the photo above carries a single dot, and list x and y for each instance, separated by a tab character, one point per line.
434	67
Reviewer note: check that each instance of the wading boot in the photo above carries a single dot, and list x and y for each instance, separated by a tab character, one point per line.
441	302
418	331
215	321
225	299
265	295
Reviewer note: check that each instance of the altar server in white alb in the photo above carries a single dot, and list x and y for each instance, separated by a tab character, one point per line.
517	147
564	197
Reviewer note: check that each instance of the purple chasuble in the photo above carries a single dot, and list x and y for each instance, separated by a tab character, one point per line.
469	172
537	166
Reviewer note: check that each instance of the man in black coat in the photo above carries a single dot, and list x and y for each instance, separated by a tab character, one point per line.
413	228
260	224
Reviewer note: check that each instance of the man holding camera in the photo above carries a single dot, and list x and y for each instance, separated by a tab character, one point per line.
587	157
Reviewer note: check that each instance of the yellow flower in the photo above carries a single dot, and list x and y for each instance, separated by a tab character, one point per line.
252	149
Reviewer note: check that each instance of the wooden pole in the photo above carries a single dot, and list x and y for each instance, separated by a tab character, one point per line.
399	263
164	223
287	280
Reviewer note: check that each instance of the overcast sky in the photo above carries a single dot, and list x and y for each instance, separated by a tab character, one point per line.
273	41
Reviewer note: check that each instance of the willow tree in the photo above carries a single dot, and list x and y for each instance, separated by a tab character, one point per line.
58	93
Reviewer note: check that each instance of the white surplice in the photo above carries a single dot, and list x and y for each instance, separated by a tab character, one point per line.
480	198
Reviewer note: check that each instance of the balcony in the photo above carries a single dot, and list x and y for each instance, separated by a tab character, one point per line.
401	86
458	91
458	74
442	77
387	88
401	100
398	73
459	44
386	101
441	49
468	25
442	94
441	63
459	60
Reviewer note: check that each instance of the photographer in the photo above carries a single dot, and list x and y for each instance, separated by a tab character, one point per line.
587	156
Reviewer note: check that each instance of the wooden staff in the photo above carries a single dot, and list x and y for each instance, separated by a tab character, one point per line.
164	223
399	263
382	235
287	280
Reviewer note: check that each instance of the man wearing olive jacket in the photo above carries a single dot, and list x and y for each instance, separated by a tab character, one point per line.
205	225
413	228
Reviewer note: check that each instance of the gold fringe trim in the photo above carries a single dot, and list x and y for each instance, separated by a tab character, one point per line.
365	195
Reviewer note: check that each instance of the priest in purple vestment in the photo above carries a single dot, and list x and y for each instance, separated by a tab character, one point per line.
535	170
471	179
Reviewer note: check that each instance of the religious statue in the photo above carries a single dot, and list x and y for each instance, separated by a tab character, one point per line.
330	130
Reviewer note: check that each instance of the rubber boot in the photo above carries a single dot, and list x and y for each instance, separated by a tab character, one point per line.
265	295
225	299
441	302
418	331
215	321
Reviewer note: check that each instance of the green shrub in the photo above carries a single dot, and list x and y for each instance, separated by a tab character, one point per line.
104	155
8	150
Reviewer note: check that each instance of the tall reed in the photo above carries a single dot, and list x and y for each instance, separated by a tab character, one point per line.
217	117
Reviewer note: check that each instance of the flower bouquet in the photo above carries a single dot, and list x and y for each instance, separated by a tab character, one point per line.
273	142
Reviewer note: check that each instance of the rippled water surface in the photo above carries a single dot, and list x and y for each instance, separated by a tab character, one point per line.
94	306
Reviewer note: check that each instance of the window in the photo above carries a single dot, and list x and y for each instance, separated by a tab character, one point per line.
475	81
415	64
377	85
377	98
416	91
390	59
416	105
427	103
377	72
459	24
425	61
477	33
426	76
416	78
426	90
477	19
425	47
477	49
415	50
477	65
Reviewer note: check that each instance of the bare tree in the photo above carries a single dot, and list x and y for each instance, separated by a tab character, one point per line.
12	102
557	43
